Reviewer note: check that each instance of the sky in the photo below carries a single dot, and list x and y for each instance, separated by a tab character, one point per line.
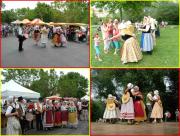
83	71
22	4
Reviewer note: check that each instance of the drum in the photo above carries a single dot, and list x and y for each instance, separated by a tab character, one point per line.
29	116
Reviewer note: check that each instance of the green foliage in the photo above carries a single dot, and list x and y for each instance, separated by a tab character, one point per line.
98	110
73	12
48	82
72	84
135	10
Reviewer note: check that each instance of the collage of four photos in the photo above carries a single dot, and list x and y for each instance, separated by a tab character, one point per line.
90	67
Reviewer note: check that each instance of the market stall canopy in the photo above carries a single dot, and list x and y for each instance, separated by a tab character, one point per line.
25	21
12	88
67	24
86	97
16	22
37	21
54	97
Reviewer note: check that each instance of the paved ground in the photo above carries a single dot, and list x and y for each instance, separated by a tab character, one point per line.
74	55
83	129
143	128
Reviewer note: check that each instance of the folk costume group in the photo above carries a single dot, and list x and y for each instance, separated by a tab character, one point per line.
59	35
133	109
47	114
121	37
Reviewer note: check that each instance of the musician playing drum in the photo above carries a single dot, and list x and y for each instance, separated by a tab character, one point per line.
38	111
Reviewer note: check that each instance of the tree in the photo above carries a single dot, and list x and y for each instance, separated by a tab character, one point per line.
72	85
44	12
133	9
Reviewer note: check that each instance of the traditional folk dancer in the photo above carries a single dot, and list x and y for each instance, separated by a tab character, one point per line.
13	124
29	114
38	112
157	111
127	107
72	115
139	107
48	120
57	114
57	38
110	111
37	35
146	38
79	107
153	29
149	105
44	36
85	110
130	51
116	42
64	113
21	37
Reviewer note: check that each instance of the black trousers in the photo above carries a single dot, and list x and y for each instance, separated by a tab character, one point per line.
23	124
39	125
21	40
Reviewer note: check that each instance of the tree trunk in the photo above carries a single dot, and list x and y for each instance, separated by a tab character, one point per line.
120	10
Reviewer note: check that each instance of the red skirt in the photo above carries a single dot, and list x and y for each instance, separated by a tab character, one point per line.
49	118
64	115
57	118
139	110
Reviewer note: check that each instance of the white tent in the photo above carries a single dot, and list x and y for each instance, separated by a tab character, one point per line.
12	88
86	97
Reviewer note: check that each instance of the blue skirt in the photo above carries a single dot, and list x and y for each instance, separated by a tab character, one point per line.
146	42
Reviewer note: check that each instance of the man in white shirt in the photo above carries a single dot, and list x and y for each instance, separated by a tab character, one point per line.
21	37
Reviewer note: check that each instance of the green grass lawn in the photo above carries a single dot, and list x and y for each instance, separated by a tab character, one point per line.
165	53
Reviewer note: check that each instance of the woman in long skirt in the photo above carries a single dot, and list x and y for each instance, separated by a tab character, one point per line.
146	38
139	107
57	114
127	107
13	124
36	35
44	36
64	113
72	115
48	120
157	111
110	112
130	51
57	38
